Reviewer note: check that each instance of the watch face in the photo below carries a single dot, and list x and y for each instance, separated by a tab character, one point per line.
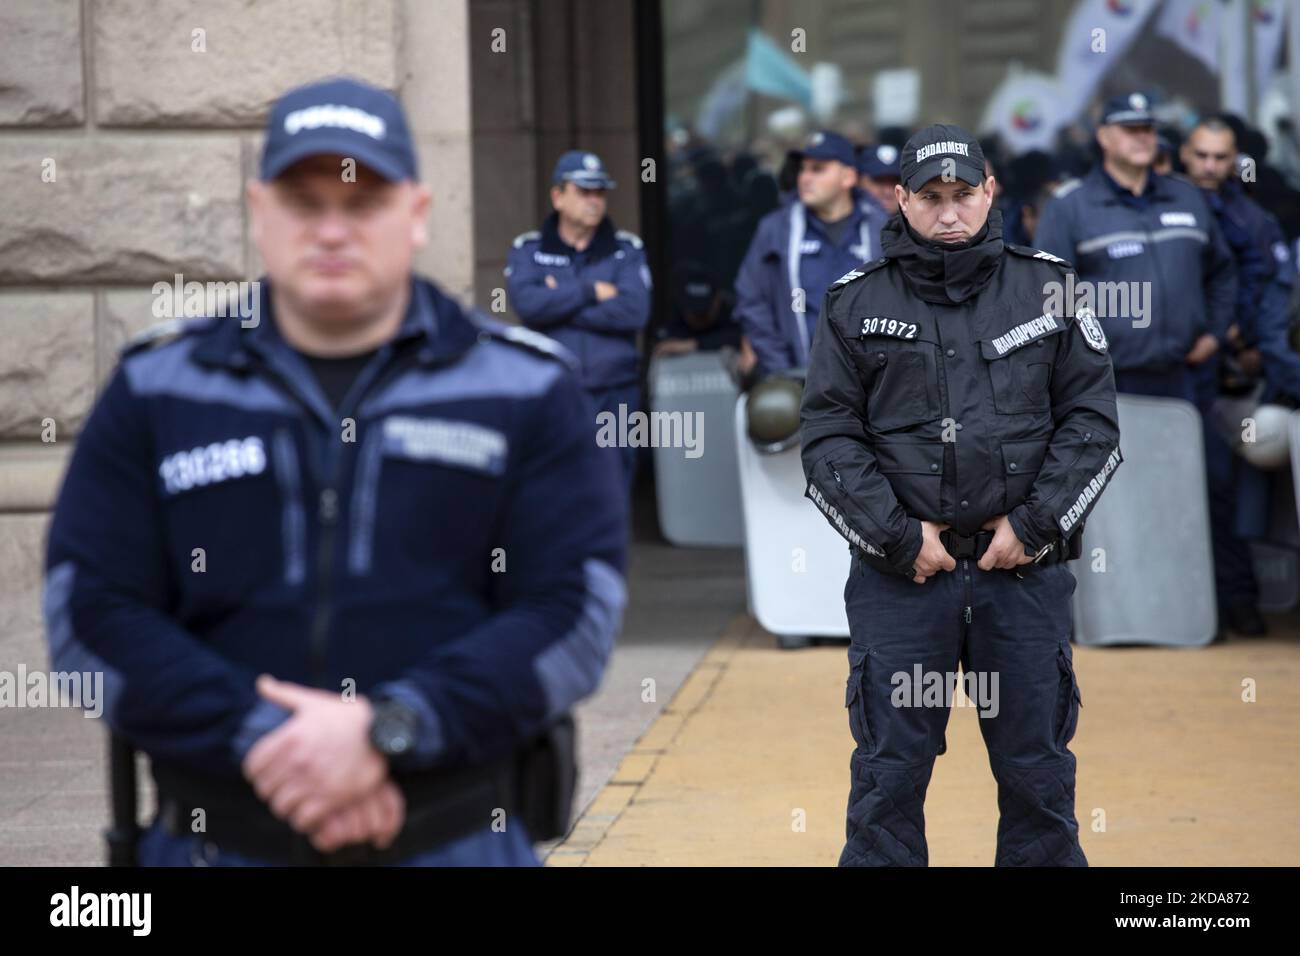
398	742
393	733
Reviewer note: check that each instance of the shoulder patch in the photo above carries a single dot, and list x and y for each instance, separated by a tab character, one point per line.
631	237
1086	319
1067	187
167	331
524	337
860	271
531	235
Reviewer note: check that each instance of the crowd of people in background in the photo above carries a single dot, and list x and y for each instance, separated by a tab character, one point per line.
1197	215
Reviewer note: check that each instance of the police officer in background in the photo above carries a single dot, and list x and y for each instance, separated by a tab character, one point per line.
586	284
1259	337
878	174
345	556
958	429
1154	237
800	249
700	320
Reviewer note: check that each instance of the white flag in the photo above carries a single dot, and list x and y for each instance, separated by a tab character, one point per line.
1266	21
1024	111
1194	25
1234	97
1094	40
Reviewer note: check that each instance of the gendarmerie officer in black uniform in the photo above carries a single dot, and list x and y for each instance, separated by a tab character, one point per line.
958	425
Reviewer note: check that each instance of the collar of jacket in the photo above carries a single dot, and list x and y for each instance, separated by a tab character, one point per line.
1156	189
439	326
862	209
603	242
945	274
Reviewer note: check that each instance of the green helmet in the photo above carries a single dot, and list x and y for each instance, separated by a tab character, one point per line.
772	413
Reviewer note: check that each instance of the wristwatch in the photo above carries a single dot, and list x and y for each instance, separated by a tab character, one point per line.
394	727
1043	552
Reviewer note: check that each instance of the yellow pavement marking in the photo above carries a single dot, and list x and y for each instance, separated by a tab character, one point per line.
749	763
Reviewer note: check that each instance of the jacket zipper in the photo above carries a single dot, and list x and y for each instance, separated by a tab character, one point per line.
293	521
327	513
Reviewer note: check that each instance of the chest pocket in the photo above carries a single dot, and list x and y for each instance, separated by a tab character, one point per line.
899	365
437	479
1020	361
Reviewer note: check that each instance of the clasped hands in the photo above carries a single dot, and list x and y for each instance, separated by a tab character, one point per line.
1005	551
318	772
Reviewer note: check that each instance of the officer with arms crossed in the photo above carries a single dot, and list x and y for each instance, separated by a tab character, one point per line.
957	431
587	284
412	550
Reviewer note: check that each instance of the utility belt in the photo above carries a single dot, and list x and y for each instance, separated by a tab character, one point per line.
534	785
973	546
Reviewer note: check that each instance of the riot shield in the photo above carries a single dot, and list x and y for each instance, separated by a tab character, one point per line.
1146	575
698	498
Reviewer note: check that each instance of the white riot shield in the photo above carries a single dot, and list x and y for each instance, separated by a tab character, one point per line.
1146	575
698	497
796	565
1277	560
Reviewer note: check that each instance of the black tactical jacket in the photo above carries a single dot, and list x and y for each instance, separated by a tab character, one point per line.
951	385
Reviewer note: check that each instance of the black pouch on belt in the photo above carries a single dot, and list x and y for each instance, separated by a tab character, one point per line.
547	774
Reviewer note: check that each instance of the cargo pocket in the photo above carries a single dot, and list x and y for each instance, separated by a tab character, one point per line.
1021	376
1021	461
922	463
1068	698
902	379
855	700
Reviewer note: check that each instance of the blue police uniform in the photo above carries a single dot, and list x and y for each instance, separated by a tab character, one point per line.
1266	273
1166	241
793	250
790	251
601	335
464	555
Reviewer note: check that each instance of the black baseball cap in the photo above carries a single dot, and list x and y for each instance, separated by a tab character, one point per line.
696	287
937	149
1129	109
341	116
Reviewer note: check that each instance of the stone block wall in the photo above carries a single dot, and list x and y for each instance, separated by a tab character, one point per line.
128	132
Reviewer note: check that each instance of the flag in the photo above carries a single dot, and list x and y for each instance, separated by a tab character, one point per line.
1024	112
1266	21
771	70
1194	25
1094	40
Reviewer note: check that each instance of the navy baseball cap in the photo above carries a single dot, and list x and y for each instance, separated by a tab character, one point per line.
827	145
1130	109
878	160
695	287
934	150
583	168
342	116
